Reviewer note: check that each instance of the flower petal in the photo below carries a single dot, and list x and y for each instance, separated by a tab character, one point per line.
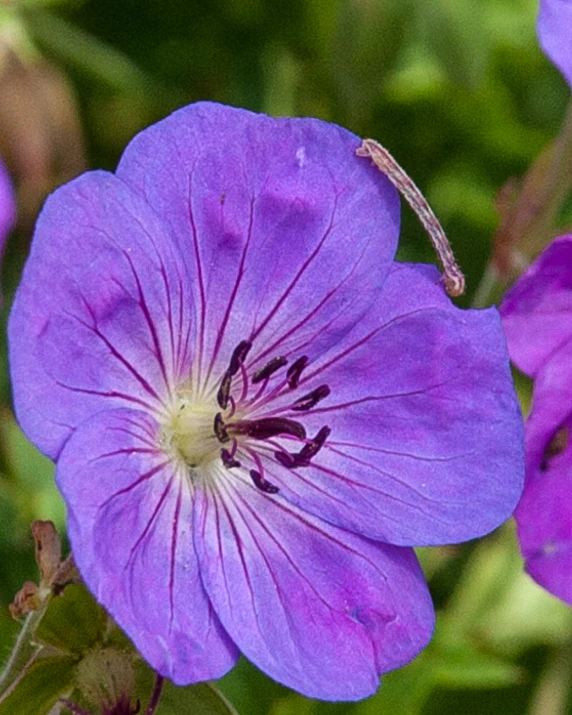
7	206
426	443
280	223
544	520
537	310
130	526
554	32
317	608
101	318
551	406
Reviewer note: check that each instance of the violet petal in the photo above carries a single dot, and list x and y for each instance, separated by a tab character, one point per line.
536	311
554	28
426	432
130	526
274	217
319	609
102	316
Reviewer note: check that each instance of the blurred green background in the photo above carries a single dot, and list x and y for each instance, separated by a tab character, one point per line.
462	96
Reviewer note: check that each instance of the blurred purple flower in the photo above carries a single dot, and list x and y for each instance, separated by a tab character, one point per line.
254	410
554	28
537	317
7	206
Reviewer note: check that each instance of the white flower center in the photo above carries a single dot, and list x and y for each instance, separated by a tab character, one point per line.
190	432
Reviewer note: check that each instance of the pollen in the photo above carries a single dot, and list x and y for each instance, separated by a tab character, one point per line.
189	432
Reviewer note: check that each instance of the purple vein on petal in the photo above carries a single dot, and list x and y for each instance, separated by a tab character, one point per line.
392	452
143	478
238	542
150	324
358	344
114	351
200	278
109	393
307	263
175	535
124	450
286	610
390	475
236	286
314	311
376	398
151	520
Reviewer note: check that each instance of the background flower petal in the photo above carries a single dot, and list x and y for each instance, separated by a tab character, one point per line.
317	608
130	526
101	318
7	206
554	32
537	310
544	521
426	432
277	219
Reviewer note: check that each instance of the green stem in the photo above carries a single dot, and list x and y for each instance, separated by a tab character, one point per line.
24	649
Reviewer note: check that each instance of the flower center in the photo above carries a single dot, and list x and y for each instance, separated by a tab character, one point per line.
242	430
190	431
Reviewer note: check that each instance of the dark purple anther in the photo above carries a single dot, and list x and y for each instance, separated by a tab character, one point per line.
262	484
286	459
223	394
239	356
269	369
228	460
310	450
311	399
269	427
295	370
220	429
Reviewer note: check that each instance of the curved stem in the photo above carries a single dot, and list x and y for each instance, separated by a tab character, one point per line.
157	689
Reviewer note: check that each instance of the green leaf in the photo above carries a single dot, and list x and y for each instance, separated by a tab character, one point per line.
455	31
39	688
465	667
82	50
73	622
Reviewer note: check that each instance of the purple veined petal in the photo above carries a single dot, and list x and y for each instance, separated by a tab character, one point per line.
537	310
426	443
278	220
544	518
102	316
554	28
319	609
130	526
551	406
7	206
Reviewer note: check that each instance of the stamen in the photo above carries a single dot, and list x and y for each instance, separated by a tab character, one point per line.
262	484
310	450
239	356
269	369
228	459
302	458
223	394
268	427
311	399
220	429
295	370
286	459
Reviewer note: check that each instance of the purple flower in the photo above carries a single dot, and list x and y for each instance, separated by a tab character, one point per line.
537	317
7	206
554	32
255	411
